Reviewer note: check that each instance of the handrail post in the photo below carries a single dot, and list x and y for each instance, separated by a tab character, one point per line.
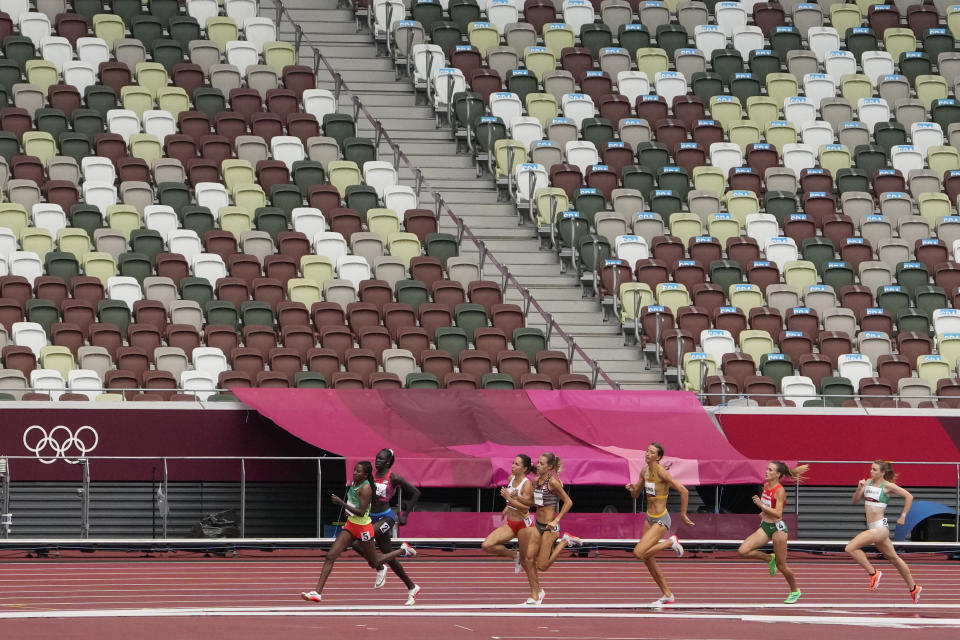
956	518
6	518
418	182
166	510
319	497
243	497
84	493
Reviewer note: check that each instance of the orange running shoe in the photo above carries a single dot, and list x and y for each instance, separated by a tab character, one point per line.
875	580
915	594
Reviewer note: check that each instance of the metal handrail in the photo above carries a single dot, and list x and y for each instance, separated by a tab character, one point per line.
302	39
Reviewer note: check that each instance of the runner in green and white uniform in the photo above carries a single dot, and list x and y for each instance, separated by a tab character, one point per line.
875	492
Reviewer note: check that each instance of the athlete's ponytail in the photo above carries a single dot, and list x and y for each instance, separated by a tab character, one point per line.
553	461
796	473
886	468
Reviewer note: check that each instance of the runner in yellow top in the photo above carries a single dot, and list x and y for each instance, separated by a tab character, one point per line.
875	492
655	482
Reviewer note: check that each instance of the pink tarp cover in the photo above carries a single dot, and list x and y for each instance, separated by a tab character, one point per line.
469	438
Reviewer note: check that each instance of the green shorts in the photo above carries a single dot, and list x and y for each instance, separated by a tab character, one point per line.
771	528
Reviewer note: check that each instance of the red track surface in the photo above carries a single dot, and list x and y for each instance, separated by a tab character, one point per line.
587	598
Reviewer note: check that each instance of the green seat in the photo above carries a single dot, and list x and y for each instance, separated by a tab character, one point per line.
135	265
859	40
599	131
836	390
114	312
225	396
569	228
762	63
196	289
53	121
594	36
361	198
653	154
468	107
426	12
198	219
164	10
937	41
818	250
100	98
339	126
358	150
446	35
442	246
309	380
725	63
911	275
89	8
893	298
9	145
286	197
592	250
307	173
19	49
463	12
210	101
784	40
665	202
75	145
674	179
889	134
145	28
781	205
222	312
915	63
588	202
273	220
183	29
89	122
453	340
497	381
421	381
86	217
637	177
148	242
745	85
913	320
411	292
945	112
776	366
869	158
470	316
838	274
254	312
633	36
4	97
167	52
11	73
725	273
61	264
174	194
929	298
523	82
530	341
43	312
671	37
7	397
853	179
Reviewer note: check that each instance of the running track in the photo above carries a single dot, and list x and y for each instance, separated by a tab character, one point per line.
466	596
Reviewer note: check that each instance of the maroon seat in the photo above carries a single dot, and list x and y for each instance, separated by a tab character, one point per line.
704	132
271	173
768	16
135	360
64	97
767	319
299	78
272	380
617	155
539	13
233	290
286	360
184	336
362	362
466	58
201	170
283	102
575	382
834	344
540	381
676	344
67	334
78	312
347	222
738	366
385	380
436	361
221	336
303	126
375	339
689	273
325	197
720	389
666	248
651	107
655	320
106	335
133	169
513	363
567	177
427	269
416	340
327	314
245	267
247	360
188	76
730	319
232	378
690	109
816	366
183	147
259	337
20	358
145	336
15	120
216	148
475	362
397	315
230	124
171	265
245	102
579	62
266	124
340	339
602	178
70	26
485	82
347	380
614	107
883	17
51	288
115	75
222	243
799	227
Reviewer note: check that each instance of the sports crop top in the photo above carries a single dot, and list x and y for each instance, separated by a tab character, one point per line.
654	488
769	496
876	497
384	487
515	491
543	495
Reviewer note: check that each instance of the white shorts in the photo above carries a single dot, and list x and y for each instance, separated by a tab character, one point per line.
879	524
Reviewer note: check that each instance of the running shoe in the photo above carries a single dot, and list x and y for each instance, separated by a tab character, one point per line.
412	595
793	597
875	580
311	596
572	541
675	543
381	578
915	594
408	551
517	567
670	599
772	563
538	601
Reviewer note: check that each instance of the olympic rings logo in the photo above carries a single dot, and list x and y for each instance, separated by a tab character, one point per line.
61	443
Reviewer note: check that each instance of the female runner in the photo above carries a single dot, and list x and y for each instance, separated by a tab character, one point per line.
655	481
875	493
772	526
358	528
519	496
547	494
386	482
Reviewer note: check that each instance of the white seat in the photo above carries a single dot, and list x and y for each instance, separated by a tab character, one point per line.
385	15
500	13
258	31
872	111
287	149
49	216
161	218
48	381
762	227
80	73
529	178
797	157
8	242
816	134
29	334
98	169
240	10
505	105
946	321
209	266
854	367
717	342
379	174
577	13
925	135
35	26
670	84
15	8
202	9
210	360
799	389
330	244
308	221
159	123
633	84
708	38
26	264
124	122
877	64
781	250
631	249
186	242
93	51
85	381
242	54
200	383
427	58
4	269
578	107
725	156
124	288
447	82
818	86
731	16
905	158
582	154
212	195
799	110
747	38
526	130
822	40
839	63
354	269
400	198
57	50
318	103
400	361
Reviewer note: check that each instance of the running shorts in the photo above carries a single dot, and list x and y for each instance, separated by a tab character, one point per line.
361	532
771	528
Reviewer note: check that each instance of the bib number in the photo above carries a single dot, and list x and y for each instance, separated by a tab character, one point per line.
781	525
365	536
538	498
381	489
528	520
884	522
650	488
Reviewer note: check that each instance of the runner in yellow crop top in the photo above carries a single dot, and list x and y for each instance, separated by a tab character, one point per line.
655	482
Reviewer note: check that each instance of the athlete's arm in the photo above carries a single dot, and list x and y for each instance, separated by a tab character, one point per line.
411	495
557	487
364	493
524	498
907	500
684	494
635	488
858	493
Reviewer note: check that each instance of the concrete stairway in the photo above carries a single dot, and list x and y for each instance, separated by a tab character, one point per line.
371	77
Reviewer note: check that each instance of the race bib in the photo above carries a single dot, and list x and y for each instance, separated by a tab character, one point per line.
538	498
884	522
528	520
365	536
650	488
781	525
381	489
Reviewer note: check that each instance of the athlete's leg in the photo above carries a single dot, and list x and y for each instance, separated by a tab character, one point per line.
644	551
780	551
855	549
886	548
651	536
369	551
749	547
342	541
384	545
548	549
495	543
529	540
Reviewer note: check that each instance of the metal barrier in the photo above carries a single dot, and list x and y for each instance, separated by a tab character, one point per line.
340	87
818	401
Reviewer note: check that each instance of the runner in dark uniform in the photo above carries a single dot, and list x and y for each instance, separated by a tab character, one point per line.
548	495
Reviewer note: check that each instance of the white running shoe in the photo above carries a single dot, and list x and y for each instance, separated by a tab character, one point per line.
517	567
311	596
675	543
663	600
408	551
572	541
412	595
381	577
538	601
